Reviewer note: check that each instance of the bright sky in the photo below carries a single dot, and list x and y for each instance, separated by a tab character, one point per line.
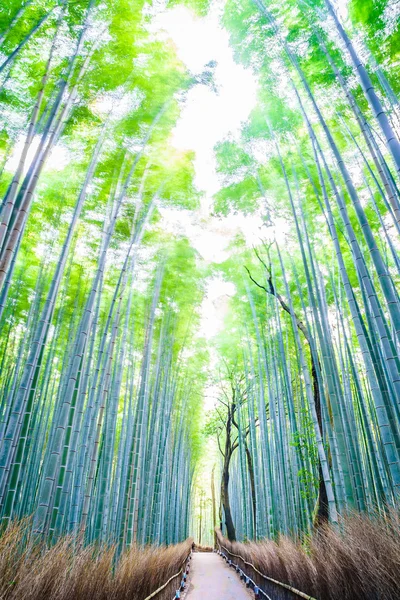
208	117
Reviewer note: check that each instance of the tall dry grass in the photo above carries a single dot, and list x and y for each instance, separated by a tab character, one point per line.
200	548
358	561
67	572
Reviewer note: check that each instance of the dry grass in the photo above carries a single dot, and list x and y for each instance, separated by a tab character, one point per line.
64	572
200	548
358	562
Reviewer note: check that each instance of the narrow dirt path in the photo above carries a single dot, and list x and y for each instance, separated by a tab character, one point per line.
211	579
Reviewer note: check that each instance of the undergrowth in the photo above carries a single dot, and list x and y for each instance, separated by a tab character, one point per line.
67	571
359	560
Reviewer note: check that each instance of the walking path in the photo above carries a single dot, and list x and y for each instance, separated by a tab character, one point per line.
211	577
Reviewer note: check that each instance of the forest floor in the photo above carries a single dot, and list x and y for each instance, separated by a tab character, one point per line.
210	575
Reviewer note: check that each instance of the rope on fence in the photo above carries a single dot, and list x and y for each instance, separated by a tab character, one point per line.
275	581
161	588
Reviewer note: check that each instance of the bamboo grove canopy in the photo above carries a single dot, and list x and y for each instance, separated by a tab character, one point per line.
104	363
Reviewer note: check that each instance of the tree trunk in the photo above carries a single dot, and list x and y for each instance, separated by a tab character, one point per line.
322	515
252	486
230	528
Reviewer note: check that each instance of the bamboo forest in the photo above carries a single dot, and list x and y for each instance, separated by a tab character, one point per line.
199	299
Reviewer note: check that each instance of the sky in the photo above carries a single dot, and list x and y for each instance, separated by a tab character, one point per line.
208	117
